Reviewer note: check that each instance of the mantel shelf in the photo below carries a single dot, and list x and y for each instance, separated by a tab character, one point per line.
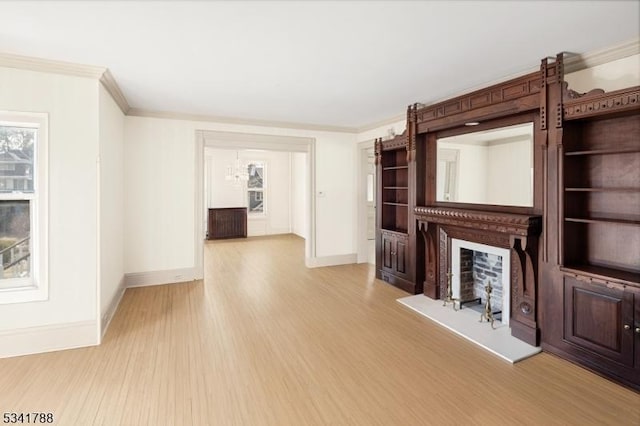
504	223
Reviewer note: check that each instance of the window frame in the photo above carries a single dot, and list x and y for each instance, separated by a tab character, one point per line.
261	190
36	286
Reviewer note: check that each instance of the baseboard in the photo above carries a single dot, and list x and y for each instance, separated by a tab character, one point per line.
343	259
113	306
33	340
143	279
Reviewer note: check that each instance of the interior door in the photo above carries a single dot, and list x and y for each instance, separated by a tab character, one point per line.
371	196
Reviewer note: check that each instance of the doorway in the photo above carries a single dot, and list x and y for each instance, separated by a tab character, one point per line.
366	203
256	143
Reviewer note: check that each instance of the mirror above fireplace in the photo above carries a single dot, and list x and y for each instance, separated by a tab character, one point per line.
491	167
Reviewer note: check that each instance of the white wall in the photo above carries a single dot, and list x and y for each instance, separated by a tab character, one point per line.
223	193
472	177
299	194
111	140
160	195
611	76
509	173
72	105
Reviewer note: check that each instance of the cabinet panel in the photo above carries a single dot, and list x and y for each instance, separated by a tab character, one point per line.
401	255
595	317
387	251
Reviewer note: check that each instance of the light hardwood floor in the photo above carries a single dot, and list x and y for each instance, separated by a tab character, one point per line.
265	341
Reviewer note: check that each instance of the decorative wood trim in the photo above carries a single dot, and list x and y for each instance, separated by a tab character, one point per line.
505	223
596	102
377	151
399	141
443	261
572	63
112	87
543	94
517	95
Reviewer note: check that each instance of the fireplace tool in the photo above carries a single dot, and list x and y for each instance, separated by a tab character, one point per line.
449	297
488	314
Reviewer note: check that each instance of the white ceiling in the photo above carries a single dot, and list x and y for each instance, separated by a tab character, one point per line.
334	63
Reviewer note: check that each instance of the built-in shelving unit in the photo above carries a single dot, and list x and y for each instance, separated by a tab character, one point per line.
395	236
395	194
594	222
601	200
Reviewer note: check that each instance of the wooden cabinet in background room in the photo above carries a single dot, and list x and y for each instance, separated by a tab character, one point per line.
227	222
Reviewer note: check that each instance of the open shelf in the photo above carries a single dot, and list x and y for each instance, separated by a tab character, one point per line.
395	168
603	151
402	187
602	189
387	203
604	273
604	220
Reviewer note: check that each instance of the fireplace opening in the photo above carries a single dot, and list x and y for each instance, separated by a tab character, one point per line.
474	267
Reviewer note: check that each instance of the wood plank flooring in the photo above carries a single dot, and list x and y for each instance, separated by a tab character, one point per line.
265	341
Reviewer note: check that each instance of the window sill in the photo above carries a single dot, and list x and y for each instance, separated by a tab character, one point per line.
23	294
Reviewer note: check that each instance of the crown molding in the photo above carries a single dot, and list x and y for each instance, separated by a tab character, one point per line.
9	60
137	112
382	123
572	63
112	87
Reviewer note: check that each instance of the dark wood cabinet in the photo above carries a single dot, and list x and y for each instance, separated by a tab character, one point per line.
395	254
396	232
591	275
574	252
599	320
229	222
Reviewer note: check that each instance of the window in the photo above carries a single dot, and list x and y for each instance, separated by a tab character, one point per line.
23	242
256	187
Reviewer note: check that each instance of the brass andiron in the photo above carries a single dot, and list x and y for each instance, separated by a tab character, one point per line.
449	297
488	314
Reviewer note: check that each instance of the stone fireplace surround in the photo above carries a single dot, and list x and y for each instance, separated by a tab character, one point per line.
517	233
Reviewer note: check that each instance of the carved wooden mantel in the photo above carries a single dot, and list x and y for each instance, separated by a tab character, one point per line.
516	232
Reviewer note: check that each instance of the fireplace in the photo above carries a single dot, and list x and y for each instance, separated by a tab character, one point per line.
475	265
511	237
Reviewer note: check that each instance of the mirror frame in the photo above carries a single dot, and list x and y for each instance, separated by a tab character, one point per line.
432	161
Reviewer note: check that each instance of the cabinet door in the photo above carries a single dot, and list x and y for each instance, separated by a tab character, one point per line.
401	254
599	319
388	248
